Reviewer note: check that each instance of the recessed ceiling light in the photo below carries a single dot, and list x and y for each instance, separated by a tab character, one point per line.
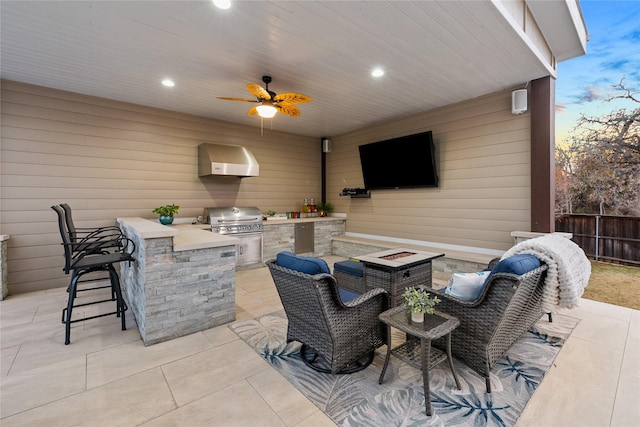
377	72
168	83
222	4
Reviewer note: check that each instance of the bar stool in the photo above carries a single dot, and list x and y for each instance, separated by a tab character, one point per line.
93	240
88	255
98	240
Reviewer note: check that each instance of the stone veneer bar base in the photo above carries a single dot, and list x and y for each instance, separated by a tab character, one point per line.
176	293
280	235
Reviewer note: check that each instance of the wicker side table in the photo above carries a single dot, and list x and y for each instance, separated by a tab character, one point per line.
417	349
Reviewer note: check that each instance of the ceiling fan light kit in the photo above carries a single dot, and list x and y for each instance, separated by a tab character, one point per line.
222	4
270	103
266	110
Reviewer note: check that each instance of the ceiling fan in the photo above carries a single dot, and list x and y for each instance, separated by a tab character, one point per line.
269	103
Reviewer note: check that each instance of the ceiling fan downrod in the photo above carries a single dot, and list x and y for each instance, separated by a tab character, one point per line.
267	80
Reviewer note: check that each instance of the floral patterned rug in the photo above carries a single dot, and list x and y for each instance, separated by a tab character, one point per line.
358	400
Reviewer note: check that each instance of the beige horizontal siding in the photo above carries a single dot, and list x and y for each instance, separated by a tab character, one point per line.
108	159
483	161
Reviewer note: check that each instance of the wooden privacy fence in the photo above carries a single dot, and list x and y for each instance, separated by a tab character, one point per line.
605	237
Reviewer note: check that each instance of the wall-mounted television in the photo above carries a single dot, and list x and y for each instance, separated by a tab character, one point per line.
404	162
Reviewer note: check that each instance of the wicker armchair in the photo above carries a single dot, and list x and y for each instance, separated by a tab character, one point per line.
345	335
508	306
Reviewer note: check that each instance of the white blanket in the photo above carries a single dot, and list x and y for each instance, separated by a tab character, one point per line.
568	269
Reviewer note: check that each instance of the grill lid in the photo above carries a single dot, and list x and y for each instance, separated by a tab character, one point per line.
232	215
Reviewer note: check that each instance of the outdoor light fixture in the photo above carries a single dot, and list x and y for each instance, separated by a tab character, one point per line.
326	145
266	110
377	72
519	101
222	4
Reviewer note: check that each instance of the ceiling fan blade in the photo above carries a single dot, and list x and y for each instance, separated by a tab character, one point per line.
236	99
290	110
258	91
253	111
292	98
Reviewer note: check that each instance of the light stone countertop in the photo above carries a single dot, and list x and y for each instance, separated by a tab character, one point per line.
199	236
298	220
185	236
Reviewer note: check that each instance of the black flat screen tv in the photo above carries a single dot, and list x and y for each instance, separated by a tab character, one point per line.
405	162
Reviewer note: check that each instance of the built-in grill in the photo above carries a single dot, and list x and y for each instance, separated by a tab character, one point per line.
242	223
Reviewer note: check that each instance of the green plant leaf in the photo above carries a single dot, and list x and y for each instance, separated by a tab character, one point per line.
167	210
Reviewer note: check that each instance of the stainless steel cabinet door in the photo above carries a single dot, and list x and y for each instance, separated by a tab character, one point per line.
249	250
304	238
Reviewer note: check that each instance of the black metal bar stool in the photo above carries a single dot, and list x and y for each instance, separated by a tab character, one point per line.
100	240
94	252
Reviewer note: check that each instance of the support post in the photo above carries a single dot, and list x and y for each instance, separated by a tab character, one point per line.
323	173
543	155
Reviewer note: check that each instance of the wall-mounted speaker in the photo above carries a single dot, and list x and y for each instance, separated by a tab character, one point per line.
519	101
326	145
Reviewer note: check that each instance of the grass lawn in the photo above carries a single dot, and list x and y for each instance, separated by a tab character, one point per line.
614	284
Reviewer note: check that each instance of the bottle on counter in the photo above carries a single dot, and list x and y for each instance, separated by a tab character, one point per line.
305	208
312	207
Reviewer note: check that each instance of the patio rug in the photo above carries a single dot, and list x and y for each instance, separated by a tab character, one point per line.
358	399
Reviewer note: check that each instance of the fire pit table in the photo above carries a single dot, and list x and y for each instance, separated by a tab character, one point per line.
397	269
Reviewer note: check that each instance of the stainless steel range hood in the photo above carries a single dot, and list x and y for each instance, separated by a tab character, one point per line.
229	160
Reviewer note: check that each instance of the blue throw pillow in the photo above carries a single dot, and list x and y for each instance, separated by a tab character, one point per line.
308	265
517	264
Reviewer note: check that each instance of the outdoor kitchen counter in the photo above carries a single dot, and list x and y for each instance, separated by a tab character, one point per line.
183	279
280	220
280	234
185	236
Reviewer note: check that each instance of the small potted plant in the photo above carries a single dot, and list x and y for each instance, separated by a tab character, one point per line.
166	213
419	302
324	209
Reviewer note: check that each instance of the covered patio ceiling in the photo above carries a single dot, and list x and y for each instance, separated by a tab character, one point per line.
433	53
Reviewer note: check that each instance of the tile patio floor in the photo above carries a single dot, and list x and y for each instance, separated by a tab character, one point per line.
106	377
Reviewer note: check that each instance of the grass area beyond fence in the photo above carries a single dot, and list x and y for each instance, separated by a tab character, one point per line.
614	284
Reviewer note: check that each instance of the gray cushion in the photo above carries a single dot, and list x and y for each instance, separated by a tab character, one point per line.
467	286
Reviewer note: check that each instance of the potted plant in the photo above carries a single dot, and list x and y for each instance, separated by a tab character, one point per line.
166	213
419	302
324	208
